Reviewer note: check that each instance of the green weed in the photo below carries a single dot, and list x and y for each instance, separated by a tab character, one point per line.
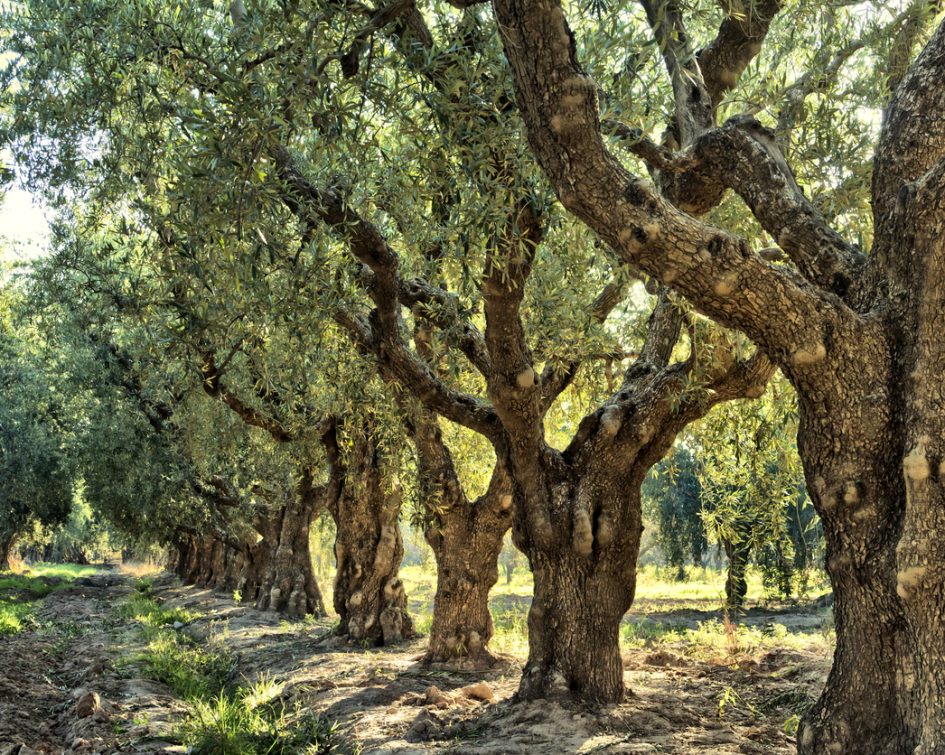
251	722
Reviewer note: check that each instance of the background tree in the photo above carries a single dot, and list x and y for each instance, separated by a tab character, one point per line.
672	497
35	427
751	482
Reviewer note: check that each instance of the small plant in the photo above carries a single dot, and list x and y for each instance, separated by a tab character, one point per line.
237	596
792	725
731	635
730	699
252	721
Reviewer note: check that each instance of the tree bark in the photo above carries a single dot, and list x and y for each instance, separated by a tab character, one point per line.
466	539
466	543
287	580
8	557
369	596
865	706
584	584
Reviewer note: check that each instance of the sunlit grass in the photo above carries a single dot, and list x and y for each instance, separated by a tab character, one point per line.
20	590
224	719
723	642
658	592
14	617
253	720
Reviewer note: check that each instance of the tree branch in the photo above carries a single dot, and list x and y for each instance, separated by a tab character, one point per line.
738	41
382	334
716	271
213	386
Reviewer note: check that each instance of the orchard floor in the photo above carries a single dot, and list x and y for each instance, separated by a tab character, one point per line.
77	682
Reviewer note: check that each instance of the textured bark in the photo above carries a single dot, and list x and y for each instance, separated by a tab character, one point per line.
8	556
854	482
584	584
369	596
466	538
287	581
466	545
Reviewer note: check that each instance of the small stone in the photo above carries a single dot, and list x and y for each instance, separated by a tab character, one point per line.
479	691
101	716
87	704
435	696
178	625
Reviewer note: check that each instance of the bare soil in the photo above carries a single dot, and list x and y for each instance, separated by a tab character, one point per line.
384	699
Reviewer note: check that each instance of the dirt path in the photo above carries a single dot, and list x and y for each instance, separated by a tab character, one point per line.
60	691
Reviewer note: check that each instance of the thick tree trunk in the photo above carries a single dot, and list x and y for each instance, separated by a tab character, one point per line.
853	477
193	566
585	576
466	541
466	538
8	555
574	622
369	595
920	556
287	581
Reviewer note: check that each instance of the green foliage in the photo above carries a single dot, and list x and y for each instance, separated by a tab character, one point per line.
34	427
672	496
15	616
83	538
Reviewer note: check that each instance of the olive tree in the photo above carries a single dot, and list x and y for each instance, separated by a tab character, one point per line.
856	332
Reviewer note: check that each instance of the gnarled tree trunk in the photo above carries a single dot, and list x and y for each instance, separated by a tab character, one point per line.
585	577
466	538
466	542
581	520
287	580
8	555
865	706
369	595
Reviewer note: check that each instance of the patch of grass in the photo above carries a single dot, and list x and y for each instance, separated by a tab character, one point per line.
144	609
15	617
20	591
193	672
248	721
511	633
139	570
641	633
253	721
67	572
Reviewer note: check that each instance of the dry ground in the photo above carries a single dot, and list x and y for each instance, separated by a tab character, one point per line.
67	687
